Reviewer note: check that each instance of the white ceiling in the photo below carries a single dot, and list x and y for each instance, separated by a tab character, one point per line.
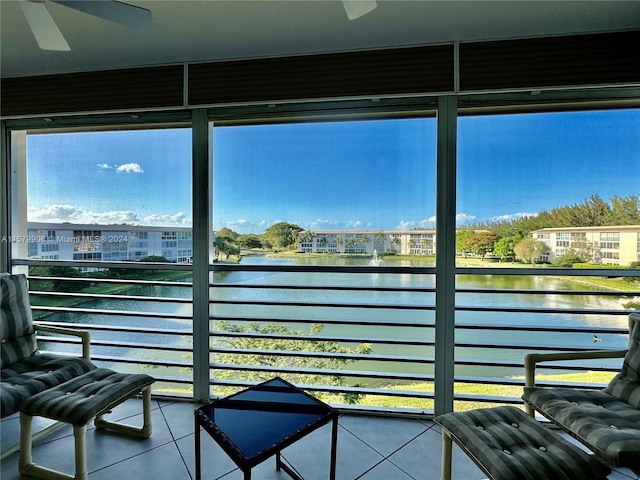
213	30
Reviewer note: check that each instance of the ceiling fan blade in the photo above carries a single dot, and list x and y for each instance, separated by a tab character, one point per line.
114	11
43	26
358	8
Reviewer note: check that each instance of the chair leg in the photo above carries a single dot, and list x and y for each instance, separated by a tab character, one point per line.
25	442
80	436
28	468
446	454
140	432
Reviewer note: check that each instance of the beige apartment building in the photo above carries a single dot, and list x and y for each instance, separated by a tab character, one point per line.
401	242
108	243
614	245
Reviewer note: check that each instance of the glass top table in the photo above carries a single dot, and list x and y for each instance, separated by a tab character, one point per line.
257	423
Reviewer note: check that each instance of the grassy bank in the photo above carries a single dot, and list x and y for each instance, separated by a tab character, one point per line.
506	391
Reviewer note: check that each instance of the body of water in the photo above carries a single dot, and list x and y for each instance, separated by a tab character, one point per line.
370	309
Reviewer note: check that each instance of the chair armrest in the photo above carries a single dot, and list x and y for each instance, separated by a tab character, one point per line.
84	335
531	359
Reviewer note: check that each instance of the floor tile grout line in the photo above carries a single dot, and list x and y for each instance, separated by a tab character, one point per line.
175	442
396	450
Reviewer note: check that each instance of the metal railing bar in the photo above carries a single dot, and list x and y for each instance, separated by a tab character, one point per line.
329	355
318	338
550	271
104	265
95	296
335	389
520	291
322	305
172	379
364	269
581	368
517	382
615	293
116	344
322	321
141	361
116	281
140	346
320	288
515	346
113	328
520	366
487	399
491	380
120	313
325	372
538	328
572	311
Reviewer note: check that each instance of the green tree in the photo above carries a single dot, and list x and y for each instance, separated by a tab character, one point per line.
463	244
626	211
40	271
307	236
228	234
283	235
364	239
396	242
481	243
249	241
529	250
504	248
63	285
263	348
224	247
568	259
584	249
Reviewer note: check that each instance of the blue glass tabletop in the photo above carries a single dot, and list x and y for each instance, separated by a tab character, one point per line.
263	418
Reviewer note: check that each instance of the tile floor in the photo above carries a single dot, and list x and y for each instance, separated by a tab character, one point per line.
369	448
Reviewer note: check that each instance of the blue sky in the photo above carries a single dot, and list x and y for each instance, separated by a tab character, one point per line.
344	175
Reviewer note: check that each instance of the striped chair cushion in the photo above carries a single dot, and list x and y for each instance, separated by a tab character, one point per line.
626	384
79	400
508	444
17	334
36	374
606	425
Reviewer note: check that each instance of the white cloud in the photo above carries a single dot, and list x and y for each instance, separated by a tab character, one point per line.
464	218
54	213
412	224
104	166
72	214
354	224
129	168
116	217
512	216
177	219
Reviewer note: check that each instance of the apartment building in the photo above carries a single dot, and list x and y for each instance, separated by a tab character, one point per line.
401	242
108	243
614	245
